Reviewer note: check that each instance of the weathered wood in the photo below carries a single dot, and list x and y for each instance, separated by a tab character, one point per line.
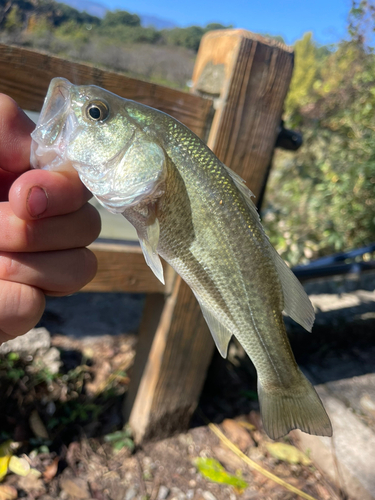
25	76
170	364
244	74
249	76
122	268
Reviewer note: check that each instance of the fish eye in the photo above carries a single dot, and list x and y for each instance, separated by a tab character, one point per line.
97	111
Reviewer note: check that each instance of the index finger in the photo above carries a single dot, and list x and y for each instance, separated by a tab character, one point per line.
15	140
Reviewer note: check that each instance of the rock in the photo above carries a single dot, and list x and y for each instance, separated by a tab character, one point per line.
367	404
49	360
207	495
250	495
130	494
75	487
163	493
237	434
37	339
177	494
32	483
8	492
229	459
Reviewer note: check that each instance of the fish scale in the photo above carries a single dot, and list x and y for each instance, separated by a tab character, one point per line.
198	215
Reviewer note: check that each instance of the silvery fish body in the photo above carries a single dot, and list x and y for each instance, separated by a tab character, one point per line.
198	215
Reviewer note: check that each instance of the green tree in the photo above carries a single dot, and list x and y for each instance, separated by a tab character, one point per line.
308	62
120	18
190	37
184	37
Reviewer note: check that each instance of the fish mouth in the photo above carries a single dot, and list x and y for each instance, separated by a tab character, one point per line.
55	128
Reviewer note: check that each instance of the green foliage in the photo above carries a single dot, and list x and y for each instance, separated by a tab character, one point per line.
305	74
189	37
48	12
184	37
10	367
62	13
287	453
322	198
130	34
73	31
40	26
214	471
121	439
217	26
361	21
13	21
120	18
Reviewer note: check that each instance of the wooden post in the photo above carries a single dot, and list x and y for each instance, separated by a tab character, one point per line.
173	354
249	77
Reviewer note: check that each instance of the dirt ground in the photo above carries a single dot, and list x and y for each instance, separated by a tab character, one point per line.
61	413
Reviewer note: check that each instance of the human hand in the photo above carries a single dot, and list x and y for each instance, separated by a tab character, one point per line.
45	224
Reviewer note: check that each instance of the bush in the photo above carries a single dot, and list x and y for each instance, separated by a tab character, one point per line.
322	199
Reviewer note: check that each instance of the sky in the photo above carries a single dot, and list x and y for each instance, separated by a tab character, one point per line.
288	18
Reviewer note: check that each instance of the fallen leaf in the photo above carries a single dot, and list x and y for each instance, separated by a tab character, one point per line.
34	472
288	453
246	425
4	461
237	434
8	492
5	454
51	470
19	466
37	425
32	483
6	448
75	487
214	471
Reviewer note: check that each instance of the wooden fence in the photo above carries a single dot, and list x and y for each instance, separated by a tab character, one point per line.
240	82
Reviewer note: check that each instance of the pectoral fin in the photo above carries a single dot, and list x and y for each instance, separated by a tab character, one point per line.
297	305
149	239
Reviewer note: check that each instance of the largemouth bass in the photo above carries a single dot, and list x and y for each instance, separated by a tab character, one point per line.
197	214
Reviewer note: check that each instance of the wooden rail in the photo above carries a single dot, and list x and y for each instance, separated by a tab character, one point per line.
25	76
122	268
247	77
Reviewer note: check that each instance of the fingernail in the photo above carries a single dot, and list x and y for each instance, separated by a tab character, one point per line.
37	201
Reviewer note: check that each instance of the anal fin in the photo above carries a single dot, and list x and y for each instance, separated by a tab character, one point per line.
220	333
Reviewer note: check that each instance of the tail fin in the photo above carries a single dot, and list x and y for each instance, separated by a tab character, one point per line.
296	408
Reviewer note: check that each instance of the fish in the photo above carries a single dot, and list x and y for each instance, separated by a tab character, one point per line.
198	215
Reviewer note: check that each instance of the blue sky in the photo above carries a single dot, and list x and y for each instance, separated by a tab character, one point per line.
290	18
